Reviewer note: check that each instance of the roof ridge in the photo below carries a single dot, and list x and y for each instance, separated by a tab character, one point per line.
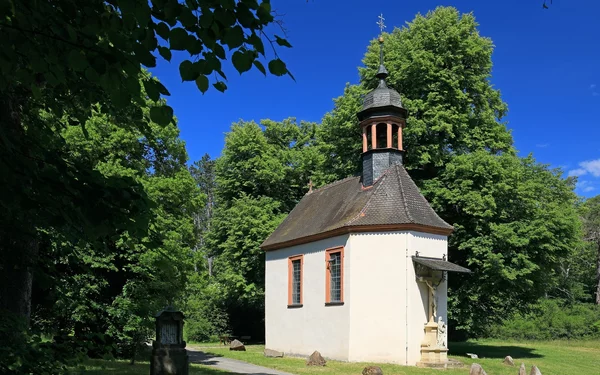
327	186
380	182
410	218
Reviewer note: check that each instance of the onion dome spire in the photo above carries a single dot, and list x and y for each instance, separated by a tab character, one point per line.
382	98
382	73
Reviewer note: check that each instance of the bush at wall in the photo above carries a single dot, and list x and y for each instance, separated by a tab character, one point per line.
552	320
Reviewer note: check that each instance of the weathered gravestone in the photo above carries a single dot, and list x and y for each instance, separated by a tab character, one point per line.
273	353
237	345
522	370
169	356
535	371
508	360
476	369
372	370
316	359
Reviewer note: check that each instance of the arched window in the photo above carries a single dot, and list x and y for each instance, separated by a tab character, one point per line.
395	135
381	133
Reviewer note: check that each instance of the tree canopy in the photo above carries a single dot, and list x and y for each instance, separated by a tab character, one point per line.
514	219
591	225
61	63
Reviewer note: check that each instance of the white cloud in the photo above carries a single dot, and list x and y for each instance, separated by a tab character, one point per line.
592	86
585	186
587	167
542	145
592	166
577	172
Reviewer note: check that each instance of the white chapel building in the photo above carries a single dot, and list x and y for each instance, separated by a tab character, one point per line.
358	269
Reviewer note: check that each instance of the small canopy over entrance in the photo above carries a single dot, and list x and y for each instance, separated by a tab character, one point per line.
437	264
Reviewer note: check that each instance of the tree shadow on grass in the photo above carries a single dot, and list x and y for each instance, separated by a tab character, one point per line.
211	365
203	358
492	351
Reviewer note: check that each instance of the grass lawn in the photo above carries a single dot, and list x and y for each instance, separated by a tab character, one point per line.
99	366
552	358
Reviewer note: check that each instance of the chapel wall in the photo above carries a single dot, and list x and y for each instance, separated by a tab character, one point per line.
378	290
314	326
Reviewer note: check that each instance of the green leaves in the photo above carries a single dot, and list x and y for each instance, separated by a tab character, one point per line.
242	61
77	61
163	30
202	83
188	71
259	66
221	86
277	67
234	37
282	42
257	43
154	89
162	115
178	39
165	53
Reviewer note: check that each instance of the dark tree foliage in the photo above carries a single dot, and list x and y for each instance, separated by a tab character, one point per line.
70	58
263	172
515	220
591	225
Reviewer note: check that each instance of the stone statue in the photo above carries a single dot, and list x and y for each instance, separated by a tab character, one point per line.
441	333
433	291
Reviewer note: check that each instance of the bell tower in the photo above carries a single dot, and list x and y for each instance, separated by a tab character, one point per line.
382	119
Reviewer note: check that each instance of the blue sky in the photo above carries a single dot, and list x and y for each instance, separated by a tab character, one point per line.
546	65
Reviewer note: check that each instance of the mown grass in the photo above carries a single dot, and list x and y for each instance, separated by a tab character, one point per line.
552	358
113	367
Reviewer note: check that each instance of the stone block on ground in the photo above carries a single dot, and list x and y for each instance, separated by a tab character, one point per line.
508	360
535	371
522	370
316	359
472	355
476	369
372	370
273	353
237	345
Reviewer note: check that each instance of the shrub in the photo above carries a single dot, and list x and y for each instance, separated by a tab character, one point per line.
552	320
23	352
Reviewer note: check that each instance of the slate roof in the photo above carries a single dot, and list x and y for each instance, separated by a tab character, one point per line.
439	264
394	199
382	96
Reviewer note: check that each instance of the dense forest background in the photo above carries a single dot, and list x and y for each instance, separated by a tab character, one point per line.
106	221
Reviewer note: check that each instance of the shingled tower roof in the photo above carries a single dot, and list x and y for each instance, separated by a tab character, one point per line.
393	203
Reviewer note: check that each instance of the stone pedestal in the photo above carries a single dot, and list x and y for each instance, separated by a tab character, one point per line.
169	356
433	355
169	361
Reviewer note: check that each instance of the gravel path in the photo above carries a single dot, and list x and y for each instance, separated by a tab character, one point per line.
228	364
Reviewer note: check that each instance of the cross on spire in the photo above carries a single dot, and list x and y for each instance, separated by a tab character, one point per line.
380	23
382	72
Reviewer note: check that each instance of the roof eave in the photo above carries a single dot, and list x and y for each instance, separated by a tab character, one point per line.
357	229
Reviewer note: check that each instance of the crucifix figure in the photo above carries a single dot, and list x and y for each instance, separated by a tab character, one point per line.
380	23
433	305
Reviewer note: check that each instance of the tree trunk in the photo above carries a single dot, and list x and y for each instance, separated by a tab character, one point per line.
19	256
19	245
134	350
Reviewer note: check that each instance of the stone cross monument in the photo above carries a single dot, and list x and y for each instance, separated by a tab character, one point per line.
169	356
